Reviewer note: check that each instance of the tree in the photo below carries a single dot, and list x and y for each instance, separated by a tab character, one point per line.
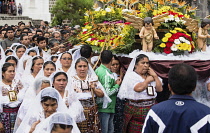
72	10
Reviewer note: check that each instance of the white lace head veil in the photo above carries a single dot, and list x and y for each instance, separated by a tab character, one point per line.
29	64
14	45
58	62
57	118
18	46
36	111
93	77
2	54
33	48
76	54
123	87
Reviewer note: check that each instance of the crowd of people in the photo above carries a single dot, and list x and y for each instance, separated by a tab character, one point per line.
10	8
47	85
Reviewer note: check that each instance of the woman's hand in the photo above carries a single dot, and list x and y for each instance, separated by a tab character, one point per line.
93	84
33	126
152	72
5	91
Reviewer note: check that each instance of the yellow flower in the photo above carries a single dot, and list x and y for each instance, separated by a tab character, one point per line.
185	46
168	35
189	48
165	39
103	13
162	45
178	29
180	46
173	31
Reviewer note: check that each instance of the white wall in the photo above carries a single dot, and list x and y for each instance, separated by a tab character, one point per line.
35	9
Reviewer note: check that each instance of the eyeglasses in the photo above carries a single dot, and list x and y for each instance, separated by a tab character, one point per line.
62	47
66	58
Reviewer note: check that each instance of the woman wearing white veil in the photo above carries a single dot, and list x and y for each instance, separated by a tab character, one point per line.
139	88
84	82
33	66
11	96
39	84
19	51
47	102
61	122
64	62
59	81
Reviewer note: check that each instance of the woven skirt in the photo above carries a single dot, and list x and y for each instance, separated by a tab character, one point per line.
91	124
8	117
134	117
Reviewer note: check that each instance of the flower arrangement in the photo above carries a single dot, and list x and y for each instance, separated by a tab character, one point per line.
119	42
176	11
177	41
100	15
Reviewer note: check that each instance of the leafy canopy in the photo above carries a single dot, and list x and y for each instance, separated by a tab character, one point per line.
72	10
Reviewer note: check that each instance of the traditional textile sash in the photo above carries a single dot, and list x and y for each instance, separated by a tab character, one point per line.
142	103
7	109
91	115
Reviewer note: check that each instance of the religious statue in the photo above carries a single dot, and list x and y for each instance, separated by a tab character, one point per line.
147	34
147	28
203	34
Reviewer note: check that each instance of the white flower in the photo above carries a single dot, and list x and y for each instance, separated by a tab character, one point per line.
182	39
89	39
174	47
98	9
188	42
177	19
176	41
171	17
126	10
166	19
108	9
84	30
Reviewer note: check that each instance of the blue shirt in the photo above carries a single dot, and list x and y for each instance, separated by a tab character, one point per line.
179	114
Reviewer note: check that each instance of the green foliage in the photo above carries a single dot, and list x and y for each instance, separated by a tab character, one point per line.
72	10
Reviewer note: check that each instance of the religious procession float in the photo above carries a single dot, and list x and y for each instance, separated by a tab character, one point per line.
167	31
163	26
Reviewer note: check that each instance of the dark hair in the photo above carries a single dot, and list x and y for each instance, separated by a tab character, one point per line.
39	31
21	37
33	61
49	62
86	51
182	79
58	74
116	58
106	57
10	28
7	51
204	22
140	57
5	67
55	126
20	46
54	57
35	36
40	38
66	53
32	50
11	58
46	98
80	59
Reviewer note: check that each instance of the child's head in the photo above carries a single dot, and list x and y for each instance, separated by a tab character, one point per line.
41	42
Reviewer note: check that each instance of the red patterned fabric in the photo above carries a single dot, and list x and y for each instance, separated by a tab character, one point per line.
134	118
